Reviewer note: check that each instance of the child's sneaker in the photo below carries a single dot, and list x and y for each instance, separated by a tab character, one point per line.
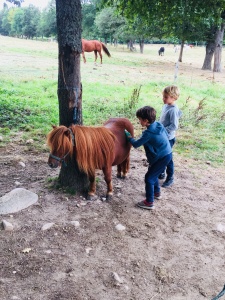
146	205
168	182
157	196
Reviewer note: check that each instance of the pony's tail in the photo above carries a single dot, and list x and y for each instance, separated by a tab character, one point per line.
105	50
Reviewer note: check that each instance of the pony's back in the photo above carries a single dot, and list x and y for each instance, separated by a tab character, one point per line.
120	124
94	147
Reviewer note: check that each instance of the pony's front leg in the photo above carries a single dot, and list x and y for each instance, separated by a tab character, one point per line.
108	179
92	189
96	55
84	59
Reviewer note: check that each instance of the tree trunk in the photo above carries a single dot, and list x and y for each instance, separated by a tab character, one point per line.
218	49
210	48
68	16
115	42
214	41
141	43
131	45
181	51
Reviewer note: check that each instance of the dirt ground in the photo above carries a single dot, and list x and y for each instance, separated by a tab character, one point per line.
175	252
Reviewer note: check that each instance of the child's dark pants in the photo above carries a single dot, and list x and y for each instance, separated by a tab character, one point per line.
151	177
170	167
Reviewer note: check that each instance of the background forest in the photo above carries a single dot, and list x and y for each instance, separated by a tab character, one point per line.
109	23
177	22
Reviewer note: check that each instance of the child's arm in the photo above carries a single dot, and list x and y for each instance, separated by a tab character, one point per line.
128	135
141	141
173	122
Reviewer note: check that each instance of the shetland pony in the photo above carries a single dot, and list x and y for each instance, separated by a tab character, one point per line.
96	46
94	148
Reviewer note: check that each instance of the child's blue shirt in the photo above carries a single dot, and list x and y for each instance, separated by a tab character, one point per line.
170	116
155	142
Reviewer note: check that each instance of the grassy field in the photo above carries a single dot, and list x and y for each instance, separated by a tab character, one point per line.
123	83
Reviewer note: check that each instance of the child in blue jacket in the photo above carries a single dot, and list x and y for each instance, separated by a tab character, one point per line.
157	149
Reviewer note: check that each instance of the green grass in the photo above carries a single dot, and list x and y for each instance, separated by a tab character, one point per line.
29	105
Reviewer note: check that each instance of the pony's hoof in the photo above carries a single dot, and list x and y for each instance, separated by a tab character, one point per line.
109	197
91	197
121	176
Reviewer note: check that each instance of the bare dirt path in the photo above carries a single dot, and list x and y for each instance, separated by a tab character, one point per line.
175	252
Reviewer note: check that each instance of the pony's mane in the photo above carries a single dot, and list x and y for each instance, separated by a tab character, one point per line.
58	140
94	147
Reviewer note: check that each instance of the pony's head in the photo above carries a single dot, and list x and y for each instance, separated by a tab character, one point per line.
60	141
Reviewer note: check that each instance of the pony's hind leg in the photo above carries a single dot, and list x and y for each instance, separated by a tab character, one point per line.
119	171
100	54
92	189
108	179
123	168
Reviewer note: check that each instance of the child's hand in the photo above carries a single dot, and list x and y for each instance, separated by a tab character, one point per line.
128	135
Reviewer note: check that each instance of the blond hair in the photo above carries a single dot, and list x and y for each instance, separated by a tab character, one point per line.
172	91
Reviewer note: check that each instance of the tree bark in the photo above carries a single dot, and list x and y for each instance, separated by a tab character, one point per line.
68	17
130	45
214	47
181	51
218	49
210	48
141	43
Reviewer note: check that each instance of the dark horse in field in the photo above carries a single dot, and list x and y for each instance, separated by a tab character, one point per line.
94	148
161	51
96	46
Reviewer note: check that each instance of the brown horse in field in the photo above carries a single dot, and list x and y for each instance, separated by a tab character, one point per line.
96	46
94	148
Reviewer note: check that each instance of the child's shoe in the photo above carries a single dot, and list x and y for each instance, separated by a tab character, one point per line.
157	196
146	205
162	176
168	182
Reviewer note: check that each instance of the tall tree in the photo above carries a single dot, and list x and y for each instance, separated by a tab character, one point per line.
68	19
47	24
89	30
31	20
214	32
4	22
108	22
17	23
214	38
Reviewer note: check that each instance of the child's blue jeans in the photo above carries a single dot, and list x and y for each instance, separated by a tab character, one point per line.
170	167
151	177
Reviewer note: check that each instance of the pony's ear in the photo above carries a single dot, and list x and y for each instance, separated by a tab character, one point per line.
54	126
